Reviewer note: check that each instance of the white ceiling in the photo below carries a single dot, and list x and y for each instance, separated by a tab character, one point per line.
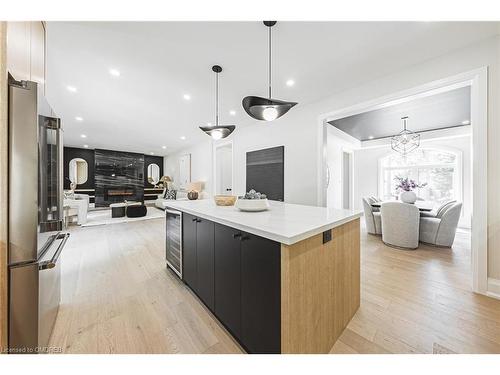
143	109
444	110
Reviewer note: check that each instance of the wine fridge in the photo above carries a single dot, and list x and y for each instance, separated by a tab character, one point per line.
174	240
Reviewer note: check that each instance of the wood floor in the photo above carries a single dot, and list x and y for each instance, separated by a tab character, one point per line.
117	297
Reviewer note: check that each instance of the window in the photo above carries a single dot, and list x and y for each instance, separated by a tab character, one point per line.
438	168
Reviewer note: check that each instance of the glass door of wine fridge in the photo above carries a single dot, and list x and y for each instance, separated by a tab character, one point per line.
174	240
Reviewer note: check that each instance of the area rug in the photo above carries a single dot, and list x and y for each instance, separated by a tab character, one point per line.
103	217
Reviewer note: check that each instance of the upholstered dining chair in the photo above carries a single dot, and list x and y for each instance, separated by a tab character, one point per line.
440	230
372	218
400	224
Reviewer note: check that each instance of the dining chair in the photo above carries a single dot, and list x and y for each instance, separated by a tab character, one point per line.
400	224
440	230
372	218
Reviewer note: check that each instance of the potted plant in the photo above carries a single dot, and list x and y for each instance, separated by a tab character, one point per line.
405	187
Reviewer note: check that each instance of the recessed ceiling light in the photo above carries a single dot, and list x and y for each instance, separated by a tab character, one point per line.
466	122
164	147
183	138
83	136
187	97
114	72
370	137
290	82
151	153
71	88
86	146
78	118
209	124
232	113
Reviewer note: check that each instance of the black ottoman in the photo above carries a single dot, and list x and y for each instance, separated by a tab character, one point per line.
137	211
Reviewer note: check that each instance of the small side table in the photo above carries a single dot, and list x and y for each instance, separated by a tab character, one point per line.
118	209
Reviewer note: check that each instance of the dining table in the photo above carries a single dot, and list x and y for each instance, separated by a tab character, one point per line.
423	206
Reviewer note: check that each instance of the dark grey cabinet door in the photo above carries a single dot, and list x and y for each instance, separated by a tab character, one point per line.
227	278
205	232
260	294
189	258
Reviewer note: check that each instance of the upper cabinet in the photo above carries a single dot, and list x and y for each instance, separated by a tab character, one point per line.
26	51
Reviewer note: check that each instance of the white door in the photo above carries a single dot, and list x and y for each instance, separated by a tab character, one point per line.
224	170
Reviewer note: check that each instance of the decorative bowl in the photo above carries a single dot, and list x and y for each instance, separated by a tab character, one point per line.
224	200
252	205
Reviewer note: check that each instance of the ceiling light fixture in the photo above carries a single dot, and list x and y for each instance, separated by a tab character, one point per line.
266	109
183	138
406	141
164	147
217	131
86	146
466	122
370	137
232	113
151	153
71	88
186	97
79	119
83	136
114	72
290	82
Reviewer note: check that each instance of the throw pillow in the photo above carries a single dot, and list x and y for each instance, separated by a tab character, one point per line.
170	194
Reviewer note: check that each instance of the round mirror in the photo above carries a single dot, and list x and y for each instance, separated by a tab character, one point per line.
78	171
153	174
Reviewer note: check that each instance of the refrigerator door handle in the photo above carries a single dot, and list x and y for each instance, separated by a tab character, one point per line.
52	263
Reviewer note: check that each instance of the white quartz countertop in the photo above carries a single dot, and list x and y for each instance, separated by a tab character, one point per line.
283	222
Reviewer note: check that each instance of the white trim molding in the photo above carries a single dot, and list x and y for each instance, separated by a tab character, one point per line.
493	288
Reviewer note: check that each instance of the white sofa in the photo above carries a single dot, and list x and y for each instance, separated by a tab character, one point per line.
440	229
162	203
400	224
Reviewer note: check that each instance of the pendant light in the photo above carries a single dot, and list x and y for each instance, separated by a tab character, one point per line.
218	131
266	109
406	141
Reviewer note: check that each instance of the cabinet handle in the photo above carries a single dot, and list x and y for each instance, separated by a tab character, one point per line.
198	220
236	235
244	238
195	219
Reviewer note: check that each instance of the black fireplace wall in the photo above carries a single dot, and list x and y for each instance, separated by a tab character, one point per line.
119	176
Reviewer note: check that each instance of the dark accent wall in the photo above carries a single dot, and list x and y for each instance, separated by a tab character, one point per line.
265	172
119	176
148	159
70	153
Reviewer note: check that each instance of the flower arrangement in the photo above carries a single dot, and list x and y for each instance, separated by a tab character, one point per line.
405	184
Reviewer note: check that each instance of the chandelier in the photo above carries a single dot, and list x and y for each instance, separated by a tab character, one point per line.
406	141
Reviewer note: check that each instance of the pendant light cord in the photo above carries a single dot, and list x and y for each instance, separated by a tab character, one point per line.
216	99
270	58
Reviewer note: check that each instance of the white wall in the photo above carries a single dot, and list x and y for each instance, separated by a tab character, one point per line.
366	171
297	130
336	146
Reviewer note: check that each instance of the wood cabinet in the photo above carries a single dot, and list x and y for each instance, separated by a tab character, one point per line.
237	276
26	46
198	257
260	294
228	278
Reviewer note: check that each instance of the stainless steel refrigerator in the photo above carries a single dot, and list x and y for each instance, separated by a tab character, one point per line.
35	208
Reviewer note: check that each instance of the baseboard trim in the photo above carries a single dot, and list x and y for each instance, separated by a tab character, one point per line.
493	288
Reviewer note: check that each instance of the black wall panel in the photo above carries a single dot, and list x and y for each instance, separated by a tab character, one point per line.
265	172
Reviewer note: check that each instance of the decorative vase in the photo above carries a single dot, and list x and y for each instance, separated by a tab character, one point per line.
193	195
408	197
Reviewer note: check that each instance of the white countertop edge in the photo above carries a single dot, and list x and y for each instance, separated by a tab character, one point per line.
269	235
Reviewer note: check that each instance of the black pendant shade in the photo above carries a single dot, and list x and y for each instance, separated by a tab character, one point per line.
266	109
255	106
217	131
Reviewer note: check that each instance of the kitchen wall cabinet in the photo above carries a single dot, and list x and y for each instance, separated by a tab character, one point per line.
26	51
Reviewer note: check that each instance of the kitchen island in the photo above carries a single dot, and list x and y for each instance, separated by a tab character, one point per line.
286	280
